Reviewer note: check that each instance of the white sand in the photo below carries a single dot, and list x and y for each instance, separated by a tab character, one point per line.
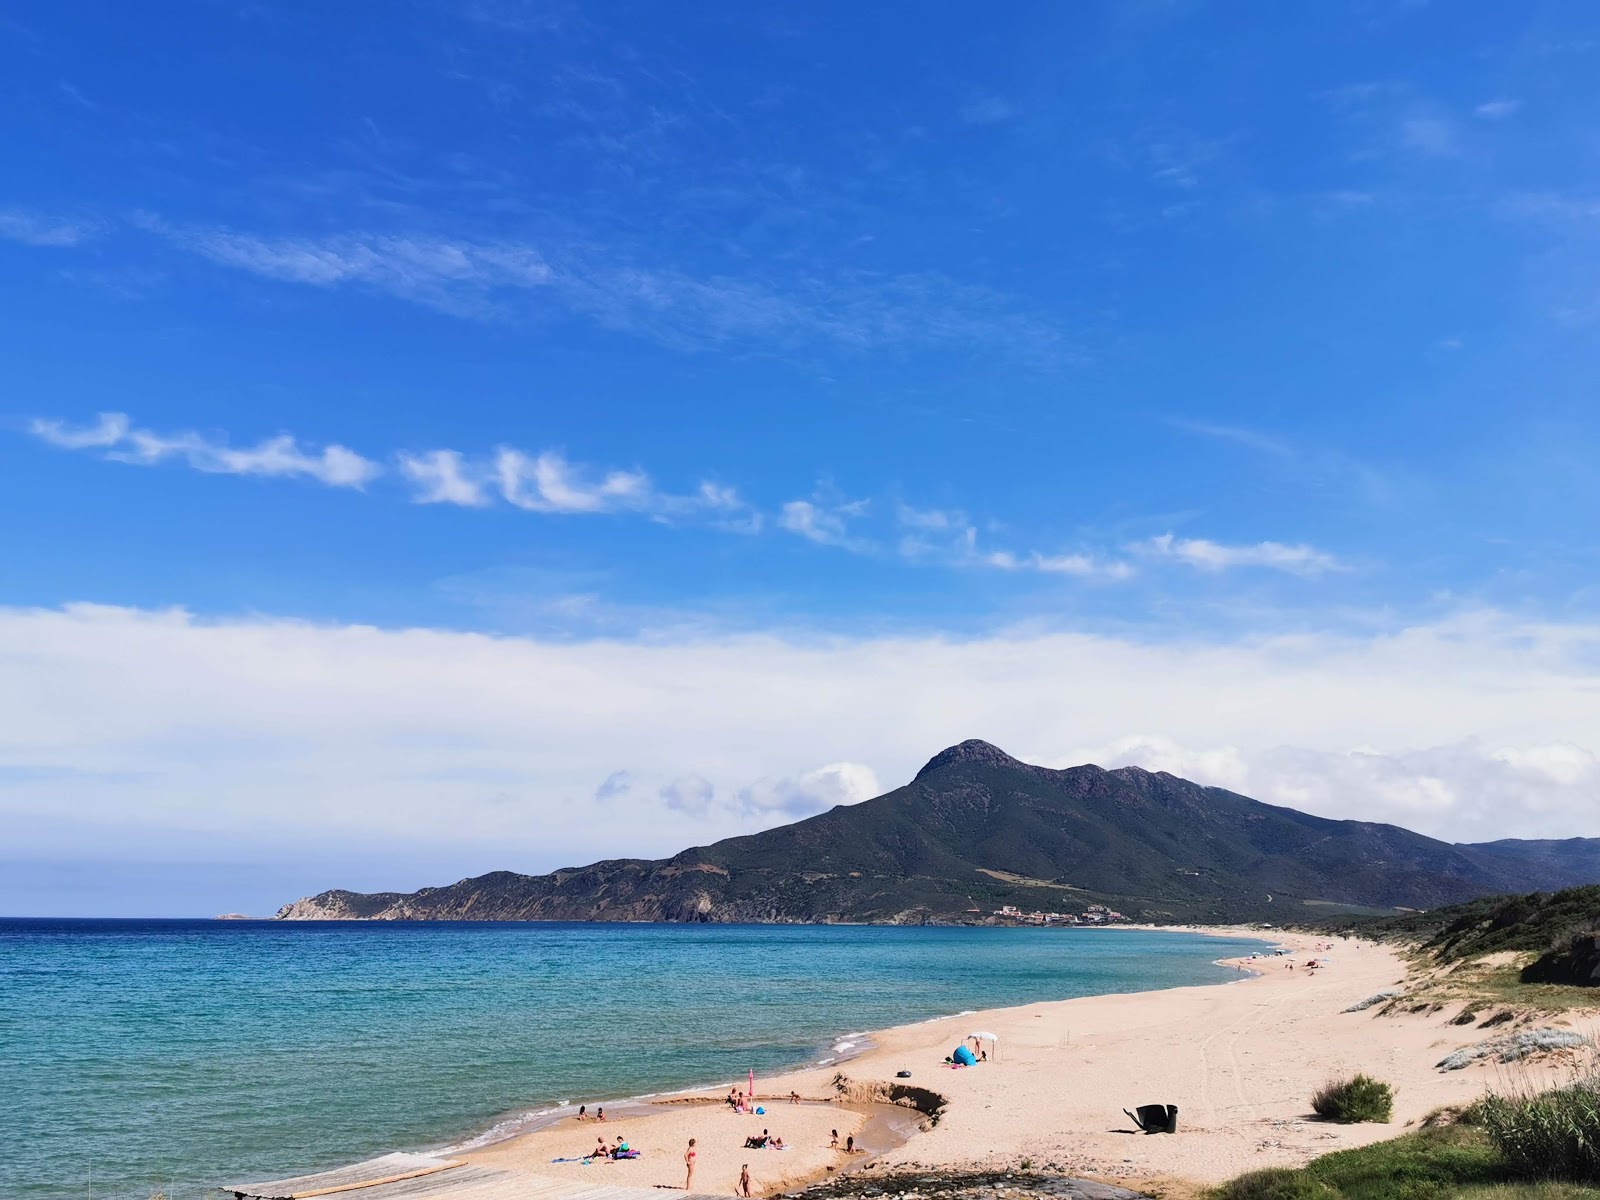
662	1139
1240	1060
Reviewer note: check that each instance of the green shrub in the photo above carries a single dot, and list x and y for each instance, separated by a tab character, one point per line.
1359	1098
1548	1135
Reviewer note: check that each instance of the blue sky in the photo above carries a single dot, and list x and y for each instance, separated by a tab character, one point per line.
645	329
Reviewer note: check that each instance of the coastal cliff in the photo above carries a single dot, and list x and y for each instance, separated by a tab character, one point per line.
977	831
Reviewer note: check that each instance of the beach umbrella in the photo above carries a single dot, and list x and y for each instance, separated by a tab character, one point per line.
752	1083
985	1036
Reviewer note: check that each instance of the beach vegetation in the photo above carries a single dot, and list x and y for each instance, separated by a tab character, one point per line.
1547	1135
1524	1144
1513	1047
1357	1098
1374	999
1432	1164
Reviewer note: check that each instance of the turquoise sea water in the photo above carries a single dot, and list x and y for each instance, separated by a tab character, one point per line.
177	1054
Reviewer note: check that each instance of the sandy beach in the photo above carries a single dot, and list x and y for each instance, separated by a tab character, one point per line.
1239	1059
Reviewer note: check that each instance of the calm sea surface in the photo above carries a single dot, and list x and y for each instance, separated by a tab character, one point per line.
177	1054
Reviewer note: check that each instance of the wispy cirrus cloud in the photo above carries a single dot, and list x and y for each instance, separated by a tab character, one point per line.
548	482
120	440
1497	110
664	302
1212	556
33	230
826	520
443	477
1301	465
949	537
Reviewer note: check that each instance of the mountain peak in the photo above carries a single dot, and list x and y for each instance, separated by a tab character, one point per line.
973	750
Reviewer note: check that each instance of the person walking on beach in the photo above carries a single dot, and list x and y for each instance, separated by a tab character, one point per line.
688	1167
834	1144
744	1181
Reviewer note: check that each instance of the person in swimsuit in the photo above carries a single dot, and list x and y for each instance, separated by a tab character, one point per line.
600	1150
688	1167
744	1180
600	1113
583	1112
850	1144
834	1144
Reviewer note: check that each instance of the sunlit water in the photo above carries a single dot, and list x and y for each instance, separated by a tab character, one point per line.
177	1054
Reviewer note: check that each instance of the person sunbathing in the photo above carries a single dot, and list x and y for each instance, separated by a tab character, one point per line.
756	1143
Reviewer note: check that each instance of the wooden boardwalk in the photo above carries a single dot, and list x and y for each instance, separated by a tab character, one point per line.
419	1177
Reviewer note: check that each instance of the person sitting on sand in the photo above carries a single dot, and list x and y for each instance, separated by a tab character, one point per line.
621	1148
600	1113
850	1144
601	1150
583	1112
777	1143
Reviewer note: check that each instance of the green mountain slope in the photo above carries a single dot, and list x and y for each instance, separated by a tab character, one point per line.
977	829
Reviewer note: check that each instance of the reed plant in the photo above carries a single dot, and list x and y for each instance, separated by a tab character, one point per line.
1547	1134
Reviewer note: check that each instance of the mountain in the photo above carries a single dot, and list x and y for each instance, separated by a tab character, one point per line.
977	829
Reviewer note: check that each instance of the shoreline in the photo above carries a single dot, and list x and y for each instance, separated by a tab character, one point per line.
844	1048
1240	1063
660	1123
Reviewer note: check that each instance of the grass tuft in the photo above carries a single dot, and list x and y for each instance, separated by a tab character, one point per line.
1359	1098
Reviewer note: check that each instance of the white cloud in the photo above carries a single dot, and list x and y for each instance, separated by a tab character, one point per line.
237	732
107	430
1083	566
454	275
692	794
1217	556
826	521
442	477
333	465
549	483
611	287
948	537
41	231
811	792
1497	110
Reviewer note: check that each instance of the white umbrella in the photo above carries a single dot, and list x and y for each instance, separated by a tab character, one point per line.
985	1036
